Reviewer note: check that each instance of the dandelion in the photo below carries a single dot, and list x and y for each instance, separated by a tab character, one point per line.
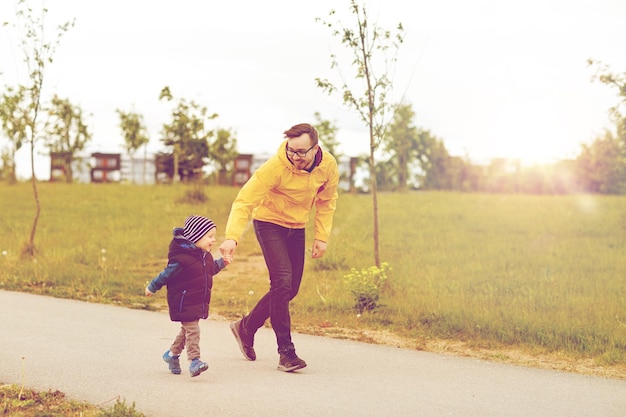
250	294
5	253
102	262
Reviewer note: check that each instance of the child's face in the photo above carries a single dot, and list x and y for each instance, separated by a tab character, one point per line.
207	240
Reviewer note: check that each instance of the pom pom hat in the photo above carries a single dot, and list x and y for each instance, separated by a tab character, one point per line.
196	227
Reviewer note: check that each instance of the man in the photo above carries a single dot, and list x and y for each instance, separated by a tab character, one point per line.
280	196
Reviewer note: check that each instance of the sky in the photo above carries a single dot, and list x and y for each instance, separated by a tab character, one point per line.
490	78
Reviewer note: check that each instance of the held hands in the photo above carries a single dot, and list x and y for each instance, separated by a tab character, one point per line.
227	249
319	248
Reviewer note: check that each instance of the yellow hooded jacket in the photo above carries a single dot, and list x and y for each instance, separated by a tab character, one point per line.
279	193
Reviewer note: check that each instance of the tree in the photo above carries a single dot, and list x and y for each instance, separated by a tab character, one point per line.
609	174
434	161
188	136
417	158
67	131
223	152
386	175
401	141
618	81
369	46
601	166
327	134
7	166
38	54
13	124
135	136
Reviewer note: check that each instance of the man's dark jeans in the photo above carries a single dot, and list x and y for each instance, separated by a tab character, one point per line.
283	249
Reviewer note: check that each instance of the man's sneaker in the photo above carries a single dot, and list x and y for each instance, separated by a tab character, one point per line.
246	342
197	367
290	362
173	362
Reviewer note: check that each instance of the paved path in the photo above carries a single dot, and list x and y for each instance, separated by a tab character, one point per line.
96	353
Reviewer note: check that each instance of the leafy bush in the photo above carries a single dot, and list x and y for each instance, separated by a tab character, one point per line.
366	285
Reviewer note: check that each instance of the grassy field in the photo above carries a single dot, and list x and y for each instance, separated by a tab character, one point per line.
543	275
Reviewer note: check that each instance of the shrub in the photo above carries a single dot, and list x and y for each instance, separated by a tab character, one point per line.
121	409
366	285
195	195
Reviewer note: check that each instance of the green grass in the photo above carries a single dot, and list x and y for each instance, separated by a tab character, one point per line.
18	401
543	273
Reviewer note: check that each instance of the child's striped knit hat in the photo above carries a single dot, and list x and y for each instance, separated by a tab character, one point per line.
196	227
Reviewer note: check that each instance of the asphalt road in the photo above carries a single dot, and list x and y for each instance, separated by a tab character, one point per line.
98	353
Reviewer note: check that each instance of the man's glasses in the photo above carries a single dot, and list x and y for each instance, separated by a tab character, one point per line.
301	154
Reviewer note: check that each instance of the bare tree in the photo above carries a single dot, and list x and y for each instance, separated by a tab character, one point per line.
370	47
38	54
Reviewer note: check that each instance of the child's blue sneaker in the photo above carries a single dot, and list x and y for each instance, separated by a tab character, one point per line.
173	362
197	367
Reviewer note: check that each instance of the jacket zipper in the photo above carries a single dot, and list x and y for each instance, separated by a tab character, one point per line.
206	282
182	300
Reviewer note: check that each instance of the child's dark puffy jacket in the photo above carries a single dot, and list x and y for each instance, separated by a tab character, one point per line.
189	279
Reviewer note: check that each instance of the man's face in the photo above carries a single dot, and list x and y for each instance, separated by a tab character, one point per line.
300	151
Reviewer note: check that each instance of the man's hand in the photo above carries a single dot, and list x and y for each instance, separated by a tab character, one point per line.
227	249
319	248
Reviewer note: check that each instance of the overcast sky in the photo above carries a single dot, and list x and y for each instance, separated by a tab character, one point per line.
491	78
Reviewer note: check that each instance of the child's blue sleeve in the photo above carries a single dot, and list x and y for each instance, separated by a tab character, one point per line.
219	264
170	271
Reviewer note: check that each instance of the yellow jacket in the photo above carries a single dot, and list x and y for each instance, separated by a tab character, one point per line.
279	193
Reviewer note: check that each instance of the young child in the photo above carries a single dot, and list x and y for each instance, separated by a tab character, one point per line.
189	278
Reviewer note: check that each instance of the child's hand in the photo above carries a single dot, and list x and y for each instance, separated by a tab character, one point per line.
227	259
149	293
